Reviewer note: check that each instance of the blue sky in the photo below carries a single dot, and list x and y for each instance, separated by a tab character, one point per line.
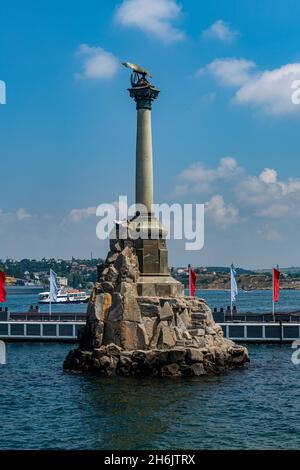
224	127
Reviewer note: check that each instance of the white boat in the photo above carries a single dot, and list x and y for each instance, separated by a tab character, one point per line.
65	296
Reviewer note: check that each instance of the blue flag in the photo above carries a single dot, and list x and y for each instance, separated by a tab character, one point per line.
53	286
233	284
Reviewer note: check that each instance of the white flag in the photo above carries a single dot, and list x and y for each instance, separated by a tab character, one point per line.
53	286
233	284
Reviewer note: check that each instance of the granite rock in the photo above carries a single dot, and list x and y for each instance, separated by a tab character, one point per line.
127	333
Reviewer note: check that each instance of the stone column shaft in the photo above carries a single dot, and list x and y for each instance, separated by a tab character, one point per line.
144	94
144	159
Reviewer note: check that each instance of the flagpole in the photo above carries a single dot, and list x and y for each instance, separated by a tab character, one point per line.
230	294
189	268
273	303
50	296
273	300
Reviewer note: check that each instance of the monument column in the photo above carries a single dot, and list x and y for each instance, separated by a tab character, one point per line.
144	93
144	159
150	246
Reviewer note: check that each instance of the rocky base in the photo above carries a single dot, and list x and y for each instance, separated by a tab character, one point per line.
127	333
177	362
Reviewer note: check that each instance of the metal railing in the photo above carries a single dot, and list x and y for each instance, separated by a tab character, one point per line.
46	317
34	315
222	315
258	332
39	330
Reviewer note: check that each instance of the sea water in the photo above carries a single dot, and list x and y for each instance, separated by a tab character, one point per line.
42	407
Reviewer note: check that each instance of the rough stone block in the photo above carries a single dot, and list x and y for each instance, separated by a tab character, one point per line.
128	335
98	352
198	369
142	337
186	335
116	310
194	355
107	287
166	312
185	317
111	257
112	274
149	310
112	349
110	333
95	334
131	309
172	370
167	337
177	355
161	357
127	265
148	300
197	331
149	329
210	331
178	333
115	245
198	316
102	304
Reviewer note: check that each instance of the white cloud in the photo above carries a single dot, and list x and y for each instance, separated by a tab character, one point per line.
96	63
229	72
271	91
274	236
221	31
248	197
154	17
12	217
199	179
22	214
268	196
268	90
268	176
224	215
273	211
77	215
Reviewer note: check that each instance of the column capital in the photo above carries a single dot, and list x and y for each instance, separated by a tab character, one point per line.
143	93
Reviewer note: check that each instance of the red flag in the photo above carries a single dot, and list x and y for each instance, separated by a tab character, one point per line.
192	282
2	287
276	284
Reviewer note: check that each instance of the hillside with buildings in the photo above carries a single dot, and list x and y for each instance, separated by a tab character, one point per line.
74	273
218	278
82	273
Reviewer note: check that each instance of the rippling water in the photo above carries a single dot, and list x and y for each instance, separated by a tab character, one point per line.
41	407
257	301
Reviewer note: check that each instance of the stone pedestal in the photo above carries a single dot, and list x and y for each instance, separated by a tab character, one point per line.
159	286
152	256
144	326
